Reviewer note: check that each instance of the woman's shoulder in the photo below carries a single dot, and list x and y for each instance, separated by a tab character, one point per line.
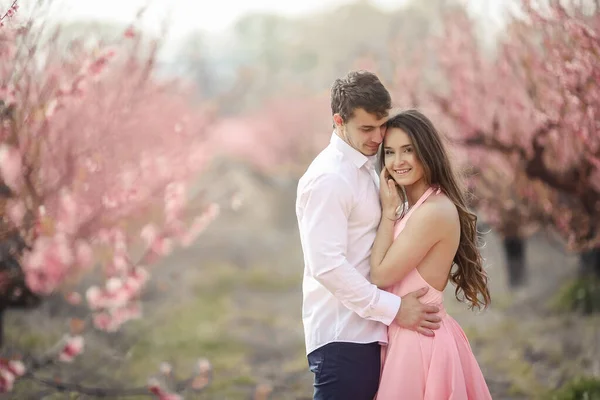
438	211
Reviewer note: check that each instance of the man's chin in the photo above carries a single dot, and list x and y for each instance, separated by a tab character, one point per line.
368	151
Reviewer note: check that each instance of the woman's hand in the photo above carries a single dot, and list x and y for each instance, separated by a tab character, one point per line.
388	193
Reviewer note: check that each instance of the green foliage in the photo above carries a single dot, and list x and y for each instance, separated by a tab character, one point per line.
581	294
583	388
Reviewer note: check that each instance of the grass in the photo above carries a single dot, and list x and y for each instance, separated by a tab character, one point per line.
263	278
198	328
582	294
211	324
244	321
581	388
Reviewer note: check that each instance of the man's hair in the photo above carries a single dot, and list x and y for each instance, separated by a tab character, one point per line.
359	89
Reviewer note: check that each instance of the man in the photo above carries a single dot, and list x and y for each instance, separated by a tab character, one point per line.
345	316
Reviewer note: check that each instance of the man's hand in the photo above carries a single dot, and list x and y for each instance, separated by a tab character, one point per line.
416	316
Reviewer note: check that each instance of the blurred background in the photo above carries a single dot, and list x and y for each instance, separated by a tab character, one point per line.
513	85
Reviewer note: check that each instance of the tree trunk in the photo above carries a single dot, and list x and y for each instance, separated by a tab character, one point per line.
514	249
589	263
1	328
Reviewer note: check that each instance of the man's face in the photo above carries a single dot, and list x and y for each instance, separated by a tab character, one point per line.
363	131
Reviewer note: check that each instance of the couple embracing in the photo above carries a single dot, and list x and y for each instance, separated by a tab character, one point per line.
384	226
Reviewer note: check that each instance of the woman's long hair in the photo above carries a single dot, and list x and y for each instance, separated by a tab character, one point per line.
469	276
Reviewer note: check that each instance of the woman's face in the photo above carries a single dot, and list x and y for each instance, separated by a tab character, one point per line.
400	158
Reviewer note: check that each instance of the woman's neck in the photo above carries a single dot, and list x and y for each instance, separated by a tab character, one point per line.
415	191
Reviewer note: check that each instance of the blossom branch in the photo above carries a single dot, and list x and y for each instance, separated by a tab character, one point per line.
11	10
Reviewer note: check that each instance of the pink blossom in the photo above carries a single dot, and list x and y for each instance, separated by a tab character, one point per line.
84	254
149	234
7	380
162	246
165	368
129	32
103	236
16	211
73	298
175	199
51	108
68	216
94	297
103	321
162	394
16	367
10	166
134	282
111	320
200	224
103	161
119	264
11	369
46	265
72	348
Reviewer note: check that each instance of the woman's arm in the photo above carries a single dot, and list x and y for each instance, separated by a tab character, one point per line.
425	228
383	241
390	200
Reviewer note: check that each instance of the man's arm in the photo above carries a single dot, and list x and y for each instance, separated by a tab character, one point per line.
325	208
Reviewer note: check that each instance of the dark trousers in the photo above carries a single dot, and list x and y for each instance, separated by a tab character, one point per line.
346	371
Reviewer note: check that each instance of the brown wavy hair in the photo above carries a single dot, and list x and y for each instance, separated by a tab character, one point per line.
469	276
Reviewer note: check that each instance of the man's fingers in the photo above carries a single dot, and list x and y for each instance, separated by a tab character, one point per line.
426	332
430	309
432	318
429	325
421	292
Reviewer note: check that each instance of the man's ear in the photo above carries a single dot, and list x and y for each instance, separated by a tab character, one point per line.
338	120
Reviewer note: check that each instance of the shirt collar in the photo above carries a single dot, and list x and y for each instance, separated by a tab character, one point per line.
357	158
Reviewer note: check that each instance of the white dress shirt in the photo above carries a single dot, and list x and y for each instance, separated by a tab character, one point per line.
338	213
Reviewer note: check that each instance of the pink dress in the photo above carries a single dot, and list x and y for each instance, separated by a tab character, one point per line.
417	367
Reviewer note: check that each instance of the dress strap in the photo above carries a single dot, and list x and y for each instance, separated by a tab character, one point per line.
422	199
401	222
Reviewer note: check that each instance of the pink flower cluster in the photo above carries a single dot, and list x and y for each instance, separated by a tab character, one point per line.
116	302
57	254
534	104
162	394
175	200
10	370
93	142
72	348
11	165
9	13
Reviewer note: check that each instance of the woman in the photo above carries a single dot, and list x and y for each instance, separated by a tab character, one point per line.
425	230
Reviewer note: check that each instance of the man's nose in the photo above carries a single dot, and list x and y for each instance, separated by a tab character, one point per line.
379	134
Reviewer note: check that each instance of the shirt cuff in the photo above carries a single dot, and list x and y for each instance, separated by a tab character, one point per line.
387	306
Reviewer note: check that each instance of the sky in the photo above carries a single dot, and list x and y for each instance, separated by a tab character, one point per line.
186	15
212	16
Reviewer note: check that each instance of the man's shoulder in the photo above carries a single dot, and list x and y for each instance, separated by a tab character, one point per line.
328	163
326	176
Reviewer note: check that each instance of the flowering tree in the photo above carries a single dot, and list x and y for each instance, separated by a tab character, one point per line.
95	156
522	120
283	133
536	106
